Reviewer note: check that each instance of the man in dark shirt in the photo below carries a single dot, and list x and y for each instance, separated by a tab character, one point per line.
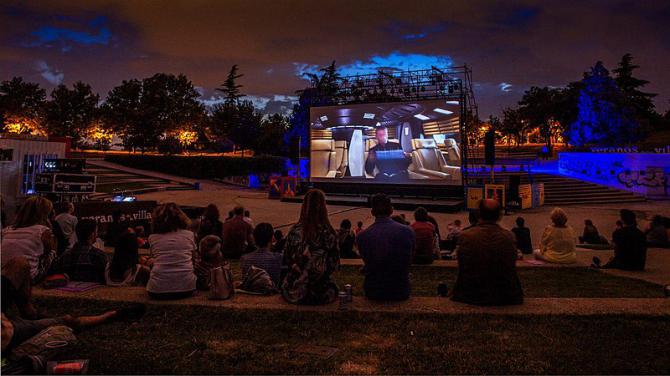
487	262
388	158
386	247
237	235
630	247
84	262
522	234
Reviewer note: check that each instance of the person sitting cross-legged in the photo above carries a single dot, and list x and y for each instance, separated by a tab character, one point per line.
263	257
522	235
558	241
386	247
424	231
487	262
591	234
237	235
173	254
125	268
311	255
210	258
84	262
630	248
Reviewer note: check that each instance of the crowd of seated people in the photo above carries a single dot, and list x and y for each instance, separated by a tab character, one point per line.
183	253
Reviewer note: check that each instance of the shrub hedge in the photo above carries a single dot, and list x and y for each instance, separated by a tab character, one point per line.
202	167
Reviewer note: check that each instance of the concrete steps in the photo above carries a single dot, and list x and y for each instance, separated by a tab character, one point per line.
560	190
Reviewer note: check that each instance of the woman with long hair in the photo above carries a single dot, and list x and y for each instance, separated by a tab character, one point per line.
31	237
211	225
172	254
125	268
311	254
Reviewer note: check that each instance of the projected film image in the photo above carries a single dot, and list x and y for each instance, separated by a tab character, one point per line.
399	142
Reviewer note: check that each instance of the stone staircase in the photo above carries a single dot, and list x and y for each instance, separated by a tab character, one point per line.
560	190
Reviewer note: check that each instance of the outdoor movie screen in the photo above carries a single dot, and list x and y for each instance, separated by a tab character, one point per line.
413	142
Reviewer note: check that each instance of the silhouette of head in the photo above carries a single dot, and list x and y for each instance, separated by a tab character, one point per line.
489	210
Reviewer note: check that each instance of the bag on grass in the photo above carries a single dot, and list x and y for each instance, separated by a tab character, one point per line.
45	345
258	281
221	287
56	280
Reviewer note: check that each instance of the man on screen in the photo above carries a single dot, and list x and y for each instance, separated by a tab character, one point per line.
388	157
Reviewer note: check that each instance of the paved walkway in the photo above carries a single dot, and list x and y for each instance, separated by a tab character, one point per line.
432	305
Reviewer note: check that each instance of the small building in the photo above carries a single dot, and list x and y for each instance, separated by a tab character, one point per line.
21	159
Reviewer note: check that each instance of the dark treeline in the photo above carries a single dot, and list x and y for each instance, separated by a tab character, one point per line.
163	113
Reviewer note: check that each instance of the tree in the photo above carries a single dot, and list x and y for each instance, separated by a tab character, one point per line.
144	112
604	118
230	87
537	107
512	125
71	112
324	91
239	122
21	106
641	102
271	138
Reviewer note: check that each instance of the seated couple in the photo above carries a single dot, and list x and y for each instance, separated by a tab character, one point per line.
486	258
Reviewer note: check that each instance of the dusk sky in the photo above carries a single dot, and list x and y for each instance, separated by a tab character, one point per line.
510	46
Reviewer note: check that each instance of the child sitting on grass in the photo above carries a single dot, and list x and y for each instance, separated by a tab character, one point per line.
210	258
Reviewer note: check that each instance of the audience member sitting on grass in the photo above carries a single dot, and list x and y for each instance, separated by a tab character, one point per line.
31	237
84	262
210	258
237	235
454	230
359	227
172	254
346	240
125	268
141	240
247	218
630	248
473	218
487	262
115	229
522	235
67	222
263	257
591	234
279	241
311	254
657	235
210	225
62	242
558	241
386	248
16	290
424	246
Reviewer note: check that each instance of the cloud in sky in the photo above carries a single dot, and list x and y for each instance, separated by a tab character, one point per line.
67	36
53	76
504	86
395	60
519	42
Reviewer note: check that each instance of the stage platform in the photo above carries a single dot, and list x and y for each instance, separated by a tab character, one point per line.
441	205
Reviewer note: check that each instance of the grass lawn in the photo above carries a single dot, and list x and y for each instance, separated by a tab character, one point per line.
206	340
536	282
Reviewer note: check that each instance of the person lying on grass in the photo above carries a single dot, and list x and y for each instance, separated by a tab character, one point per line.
17	291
